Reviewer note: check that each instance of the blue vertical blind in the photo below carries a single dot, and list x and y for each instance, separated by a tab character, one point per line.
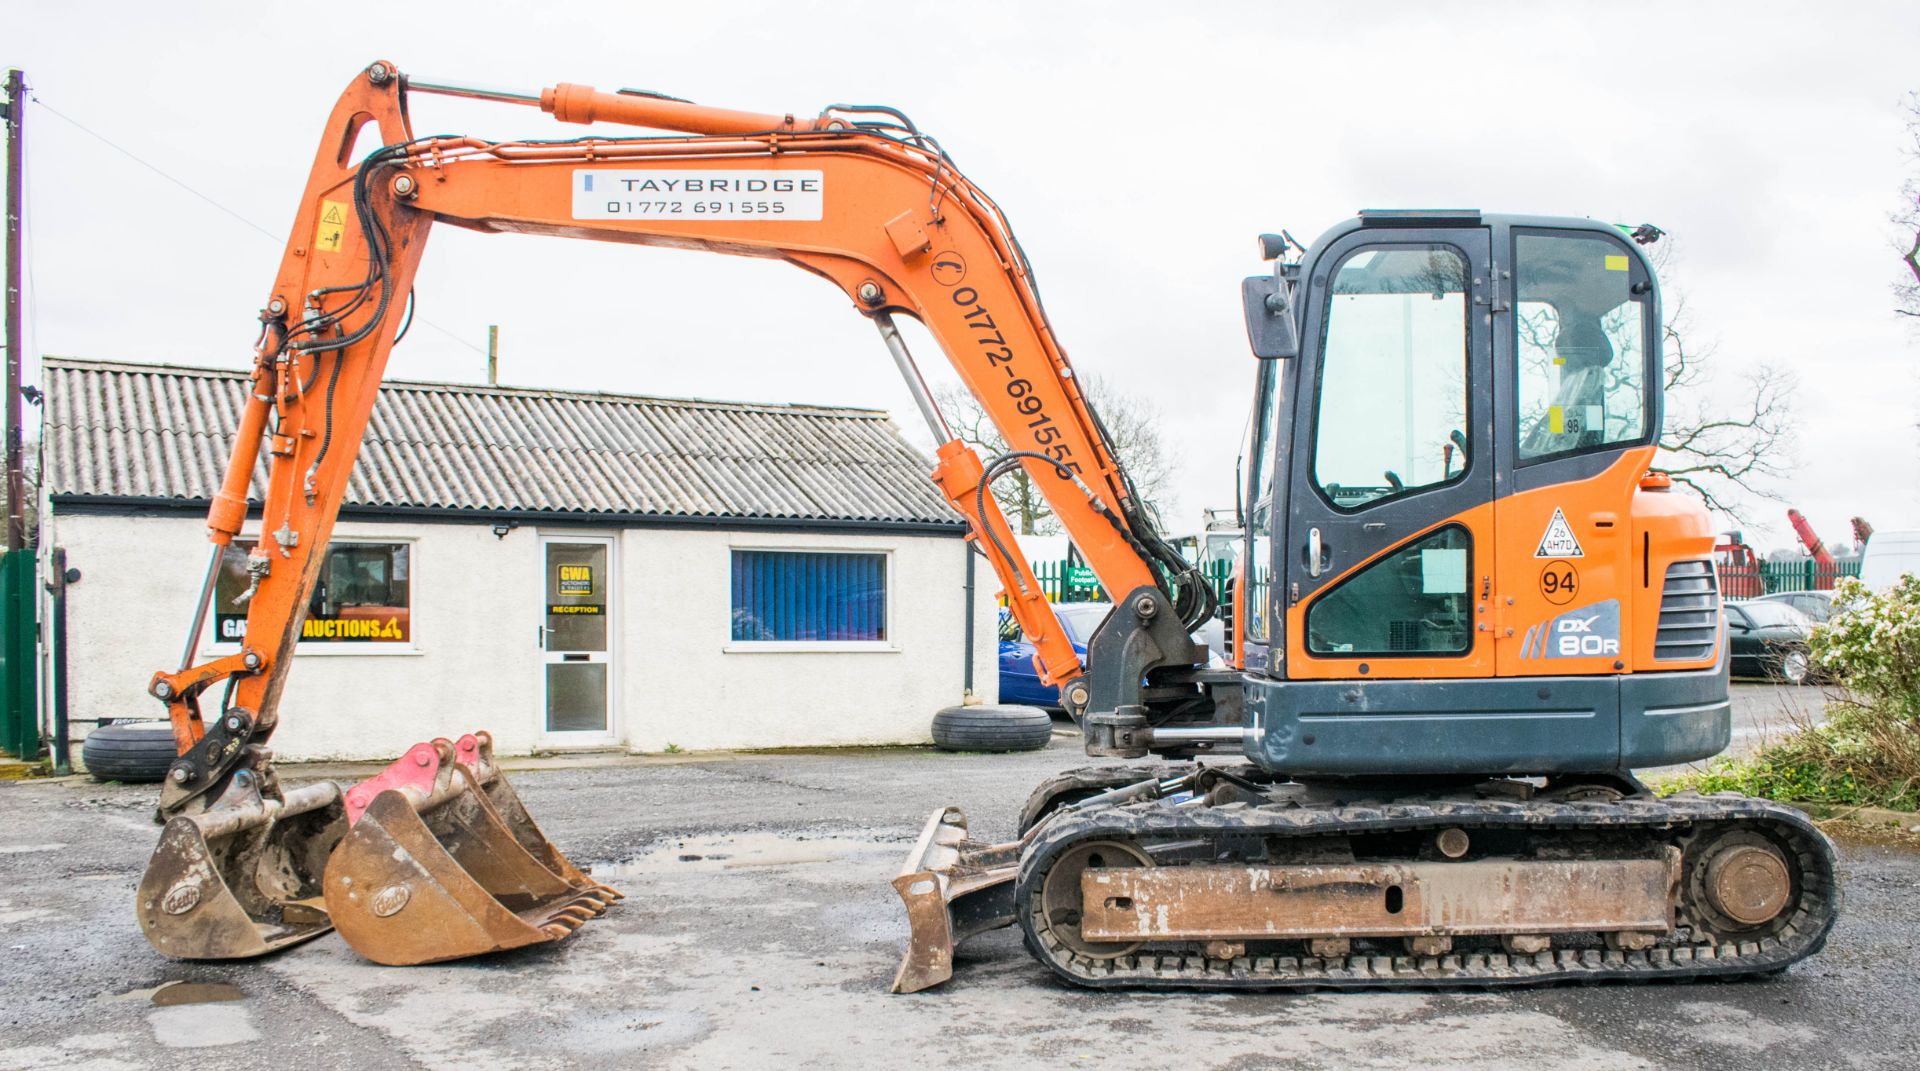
791	595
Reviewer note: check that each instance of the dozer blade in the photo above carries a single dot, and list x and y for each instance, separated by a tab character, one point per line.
431	871
242	878
953	888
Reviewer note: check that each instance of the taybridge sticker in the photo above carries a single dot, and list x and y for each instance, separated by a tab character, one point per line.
1559	540
1592	631
662	193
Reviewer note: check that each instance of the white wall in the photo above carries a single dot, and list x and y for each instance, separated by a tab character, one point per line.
477	602
684	683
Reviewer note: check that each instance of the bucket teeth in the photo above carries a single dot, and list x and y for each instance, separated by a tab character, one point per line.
451	865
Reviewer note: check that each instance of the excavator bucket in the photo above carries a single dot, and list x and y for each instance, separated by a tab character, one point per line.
953	888
475	751
433	868
242	878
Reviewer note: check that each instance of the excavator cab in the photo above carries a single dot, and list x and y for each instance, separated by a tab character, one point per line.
1457	466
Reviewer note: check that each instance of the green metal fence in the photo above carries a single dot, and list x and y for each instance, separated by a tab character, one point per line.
1765	578
19	714
1069	581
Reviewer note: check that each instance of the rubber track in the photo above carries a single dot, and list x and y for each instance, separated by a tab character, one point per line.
1683	955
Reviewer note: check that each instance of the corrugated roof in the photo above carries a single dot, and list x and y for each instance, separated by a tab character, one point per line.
162	432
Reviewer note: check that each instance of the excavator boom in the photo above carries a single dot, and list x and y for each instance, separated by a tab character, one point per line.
855	195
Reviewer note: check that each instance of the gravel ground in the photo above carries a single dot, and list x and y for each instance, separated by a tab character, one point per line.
760	930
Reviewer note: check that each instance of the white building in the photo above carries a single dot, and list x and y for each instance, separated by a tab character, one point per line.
565	570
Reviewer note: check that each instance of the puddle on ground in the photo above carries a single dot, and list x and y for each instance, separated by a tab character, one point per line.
175	993
740	851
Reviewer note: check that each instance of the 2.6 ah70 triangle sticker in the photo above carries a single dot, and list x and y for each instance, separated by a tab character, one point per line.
1559	540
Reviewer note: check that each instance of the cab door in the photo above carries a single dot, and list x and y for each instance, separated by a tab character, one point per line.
1388	548
1577	411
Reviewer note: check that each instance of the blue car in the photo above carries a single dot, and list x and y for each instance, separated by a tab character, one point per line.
1019	681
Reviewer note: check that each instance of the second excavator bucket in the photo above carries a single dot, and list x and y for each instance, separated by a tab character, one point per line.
442	862
242	878
953	888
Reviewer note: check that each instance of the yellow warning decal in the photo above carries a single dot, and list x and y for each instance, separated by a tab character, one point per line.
1557	420
1616	263
333	226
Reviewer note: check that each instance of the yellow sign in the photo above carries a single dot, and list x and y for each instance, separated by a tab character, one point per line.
575	580
1616	263
352	628
333	226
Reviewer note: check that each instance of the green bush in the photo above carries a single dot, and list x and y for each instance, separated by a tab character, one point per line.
1867	749
1872	643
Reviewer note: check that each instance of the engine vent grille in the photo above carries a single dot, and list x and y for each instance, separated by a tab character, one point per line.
1689	613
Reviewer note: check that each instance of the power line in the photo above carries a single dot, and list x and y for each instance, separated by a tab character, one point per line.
116	147
272	237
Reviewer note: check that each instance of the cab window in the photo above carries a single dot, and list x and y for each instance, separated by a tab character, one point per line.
1581	346
1259	453
1393	375
1411	602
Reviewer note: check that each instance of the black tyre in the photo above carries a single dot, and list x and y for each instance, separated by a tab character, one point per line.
135	751
995	727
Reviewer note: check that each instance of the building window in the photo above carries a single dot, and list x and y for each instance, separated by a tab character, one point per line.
364	595
794	596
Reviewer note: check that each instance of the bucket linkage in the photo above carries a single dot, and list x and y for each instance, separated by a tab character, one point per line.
242	877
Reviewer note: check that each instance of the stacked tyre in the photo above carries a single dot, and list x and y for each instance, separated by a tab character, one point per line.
992	727
131	751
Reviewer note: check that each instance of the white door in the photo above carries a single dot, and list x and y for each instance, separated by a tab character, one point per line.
576	636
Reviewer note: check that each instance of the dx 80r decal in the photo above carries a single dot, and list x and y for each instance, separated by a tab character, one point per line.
1591	631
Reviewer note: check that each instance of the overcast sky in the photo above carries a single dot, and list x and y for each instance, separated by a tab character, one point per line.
1137	149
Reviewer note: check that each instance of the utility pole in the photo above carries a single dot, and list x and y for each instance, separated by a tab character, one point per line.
16	477
493	355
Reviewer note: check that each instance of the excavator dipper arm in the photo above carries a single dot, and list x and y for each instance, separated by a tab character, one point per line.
855	195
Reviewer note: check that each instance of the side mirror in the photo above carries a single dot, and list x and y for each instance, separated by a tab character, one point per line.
1270	328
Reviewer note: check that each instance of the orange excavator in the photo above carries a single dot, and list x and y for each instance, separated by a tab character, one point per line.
1464	607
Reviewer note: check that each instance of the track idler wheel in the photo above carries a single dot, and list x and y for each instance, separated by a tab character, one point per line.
1061	899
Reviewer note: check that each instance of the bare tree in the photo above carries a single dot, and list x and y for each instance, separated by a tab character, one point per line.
1907	294
1724	450
1133	430
1724	445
